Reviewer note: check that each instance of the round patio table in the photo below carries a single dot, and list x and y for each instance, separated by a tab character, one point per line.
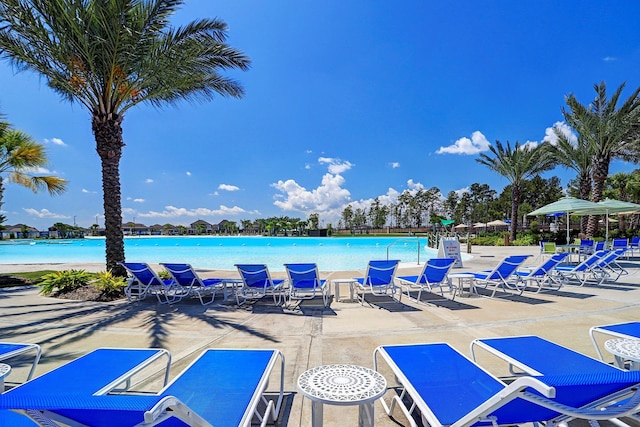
342	385
624	349
4	371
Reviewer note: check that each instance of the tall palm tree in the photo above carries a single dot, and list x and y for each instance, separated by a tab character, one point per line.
111	55
517	164
579	157
609	130
20	156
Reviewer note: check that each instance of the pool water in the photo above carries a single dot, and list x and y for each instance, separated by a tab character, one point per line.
221	253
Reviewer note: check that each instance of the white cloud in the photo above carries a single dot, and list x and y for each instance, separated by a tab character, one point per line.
327	196
529	145
336	166
175	212
551	136
55	141
188	173
84	190
609	58
477	144
44	213
228	187
148	181
36	170
139	200
394	165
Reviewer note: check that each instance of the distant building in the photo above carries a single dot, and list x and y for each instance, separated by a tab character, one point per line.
202	227
19	231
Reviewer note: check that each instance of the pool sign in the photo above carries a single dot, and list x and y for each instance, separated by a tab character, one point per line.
449	247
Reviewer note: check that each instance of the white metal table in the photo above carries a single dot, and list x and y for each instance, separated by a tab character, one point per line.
623	350
4	371
342	385
336	288
459	288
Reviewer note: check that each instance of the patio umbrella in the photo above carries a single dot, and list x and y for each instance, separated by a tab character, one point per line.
610	206
567	205
460	226
497	223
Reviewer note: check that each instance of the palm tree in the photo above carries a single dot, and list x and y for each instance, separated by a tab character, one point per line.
110	56
517	164
610	132
579	157
20	155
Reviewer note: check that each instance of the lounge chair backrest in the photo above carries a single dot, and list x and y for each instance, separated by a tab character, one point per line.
380	272
591	261
183	274
549	248
620	243
507	267
142	273
635	242
436	270
303	275
255	275
600	245
549	265
609	257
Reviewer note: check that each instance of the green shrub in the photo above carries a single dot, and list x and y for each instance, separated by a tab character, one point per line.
109	284
63	281
164	275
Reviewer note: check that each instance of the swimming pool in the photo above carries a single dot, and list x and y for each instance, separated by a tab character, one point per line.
330	253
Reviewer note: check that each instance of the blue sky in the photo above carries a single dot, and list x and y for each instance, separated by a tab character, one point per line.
345	101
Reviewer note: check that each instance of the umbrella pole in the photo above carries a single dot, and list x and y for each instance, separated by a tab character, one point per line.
568	242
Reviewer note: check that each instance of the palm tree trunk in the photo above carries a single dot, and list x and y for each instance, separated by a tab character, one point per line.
108	134
585	190
515	202
600	173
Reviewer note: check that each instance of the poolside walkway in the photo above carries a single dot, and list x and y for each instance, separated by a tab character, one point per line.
311	336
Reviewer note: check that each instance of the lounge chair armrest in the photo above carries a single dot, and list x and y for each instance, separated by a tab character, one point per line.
177	409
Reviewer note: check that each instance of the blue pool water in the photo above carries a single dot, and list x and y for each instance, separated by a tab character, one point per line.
331	254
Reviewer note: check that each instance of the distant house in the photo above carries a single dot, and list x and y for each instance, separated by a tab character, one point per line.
19	231
202	227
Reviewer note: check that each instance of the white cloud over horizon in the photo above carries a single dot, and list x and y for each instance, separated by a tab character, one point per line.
44	213
477	144
176	212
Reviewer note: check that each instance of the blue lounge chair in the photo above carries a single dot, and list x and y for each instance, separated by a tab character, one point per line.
305	283
542	275
585	272
620	243
187	283
609	266
502	276
533	355
627	330
634	245
144	282
257	283
433	275
450	390
222	387
586	248
9	350
378	280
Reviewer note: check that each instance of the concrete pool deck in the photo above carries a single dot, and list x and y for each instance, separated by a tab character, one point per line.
311	336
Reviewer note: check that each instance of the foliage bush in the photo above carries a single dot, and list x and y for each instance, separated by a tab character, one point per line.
63	281
109	284
164	275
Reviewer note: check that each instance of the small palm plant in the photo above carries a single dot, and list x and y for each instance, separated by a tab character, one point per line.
108	284
63	281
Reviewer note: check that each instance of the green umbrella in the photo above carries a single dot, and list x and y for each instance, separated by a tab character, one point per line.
609	206
566	205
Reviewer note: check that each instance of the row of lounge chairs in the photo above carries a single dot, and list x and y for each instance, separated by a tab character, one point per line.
304	281
434	381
